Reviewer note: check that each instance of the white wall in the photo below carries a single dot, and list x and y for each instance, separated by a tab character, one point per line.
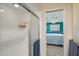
35	7
13	40
76	22
67	24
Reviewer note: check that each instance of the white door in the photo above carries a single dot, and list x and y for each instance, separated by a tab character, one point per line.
13	39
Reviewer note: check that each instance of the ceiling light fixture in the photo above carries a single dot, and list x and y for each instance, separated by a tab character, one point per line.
16	5
2	10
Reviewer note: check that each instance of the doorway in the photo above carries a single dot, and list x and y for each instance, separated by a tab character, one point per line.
54	33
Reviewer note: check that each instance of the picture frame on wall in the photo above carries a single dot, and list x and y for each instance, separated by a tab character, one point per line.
55	28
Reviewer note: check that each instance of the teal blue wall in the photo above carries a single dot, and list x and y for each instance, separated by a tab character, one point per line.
57	23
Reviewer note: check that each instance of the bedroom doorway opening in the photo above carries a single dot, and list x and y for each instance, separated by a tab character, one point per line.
54	33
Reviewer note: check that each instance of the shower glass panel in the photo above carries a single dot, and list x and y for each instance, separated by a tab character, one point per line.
13	30
34	31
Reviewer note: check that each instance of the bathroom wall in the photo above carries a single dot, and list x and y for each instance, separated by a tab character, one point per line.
76	22
13	40
35	7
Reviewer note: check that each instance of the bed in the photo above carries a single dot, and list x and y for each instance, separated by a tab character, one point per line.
56	39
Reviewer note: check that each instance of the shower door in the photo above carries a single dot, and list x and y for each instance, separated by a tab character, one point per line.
34	32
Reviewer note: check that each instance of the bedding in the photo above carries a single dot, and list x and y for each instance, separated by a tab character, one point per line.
56	39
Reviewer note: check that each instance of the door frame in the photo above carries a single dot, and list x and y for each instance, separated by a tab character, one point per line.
63	23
